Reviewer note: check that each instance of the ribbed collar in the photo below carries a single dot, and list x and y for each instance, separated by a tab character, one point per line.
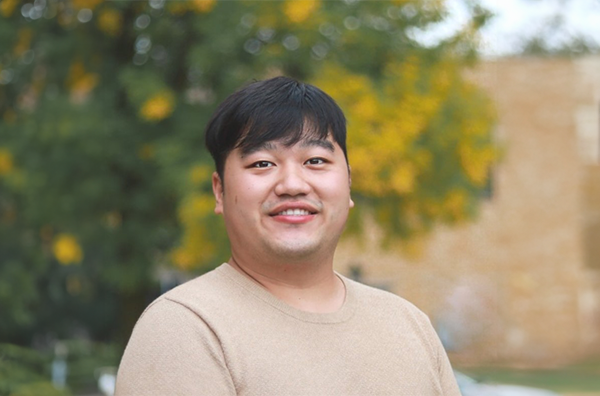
341	315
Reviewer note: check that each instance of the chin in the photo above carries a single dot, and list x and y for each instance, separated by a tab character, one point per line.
295	251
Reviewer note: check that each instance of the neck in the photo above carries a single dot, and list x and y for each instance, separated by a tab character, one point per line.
311	288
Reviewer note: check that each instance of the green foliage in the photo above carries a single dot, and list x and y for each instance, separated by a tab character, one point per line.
104	179
39	388
555	38
575	378
25	372
85	360
576	46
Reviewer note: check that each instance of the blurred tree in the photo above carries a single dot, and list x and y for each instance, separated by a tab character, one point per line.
539	45
103	176
555	37
26	372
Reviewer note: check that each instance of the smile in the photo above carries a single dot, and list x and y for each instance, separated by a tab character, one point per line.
293	212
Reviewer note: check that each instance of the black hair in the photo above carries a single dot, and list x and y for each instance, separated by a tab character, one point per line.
280	108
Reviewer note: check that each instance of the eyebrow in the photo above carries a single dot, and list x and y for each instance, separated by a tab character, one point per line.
326	144
270	146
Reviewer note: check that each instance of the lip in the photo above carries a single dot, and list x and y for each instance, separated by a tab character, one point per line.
293	219
293	205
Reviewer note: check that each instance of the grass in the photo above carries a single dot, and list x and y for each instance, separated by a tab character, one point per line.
580	377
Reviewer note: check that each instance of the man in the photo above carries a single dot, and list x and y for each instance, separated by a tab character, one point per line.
276	319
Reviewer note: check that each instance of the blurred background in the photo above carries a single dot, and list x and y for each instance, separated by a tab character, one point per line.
474	141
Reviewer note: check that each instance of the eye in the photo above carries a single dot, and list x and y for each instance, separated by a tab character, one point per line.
315	161
262	164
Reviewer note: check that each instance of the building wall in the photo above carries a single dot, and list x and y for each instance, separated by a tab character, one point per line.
590	296
514	286
588	127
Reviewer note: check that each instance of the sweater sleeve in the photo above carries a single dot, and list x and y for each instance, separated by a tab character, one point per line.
446	374
173	352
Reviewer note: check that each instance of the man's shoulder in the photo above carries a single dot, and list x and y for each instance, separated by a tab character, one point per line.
366	291
203	291
205	283
391	313
382	300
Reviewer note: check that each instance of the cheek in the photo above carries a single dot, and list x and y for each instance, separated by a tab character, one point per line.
236	191
336	190
242	198
251	190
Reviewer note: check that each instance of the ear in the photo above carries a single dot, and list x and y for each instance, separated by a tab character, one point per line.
217	186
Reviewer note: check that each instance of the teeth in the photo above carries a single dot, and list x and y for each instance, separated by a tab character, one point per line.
294	212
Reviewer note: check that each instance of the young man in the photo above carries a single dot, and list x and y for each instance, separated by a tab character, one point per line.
276	319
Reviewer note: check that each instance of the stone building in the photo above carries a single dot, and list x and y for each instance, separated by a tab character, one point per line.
521	284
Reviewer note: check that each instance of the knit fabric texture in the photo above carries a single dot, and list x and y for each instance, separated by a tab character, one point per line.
224	334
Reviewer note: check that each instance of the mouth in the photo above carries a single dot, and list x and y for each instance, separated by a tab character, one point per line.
294	215
294	212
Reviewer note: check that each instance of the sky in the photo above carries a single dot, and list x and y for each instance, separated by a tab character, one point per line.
516	19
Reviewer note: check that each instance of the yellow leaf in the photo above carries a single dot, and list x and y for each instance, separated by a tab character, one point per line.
182	259
66	249
80	82
158	107
196	207
7	7
6	162
455	202
200	173
298	11
202	6
476	162
403	179
90	4
24	38
194	250
110	22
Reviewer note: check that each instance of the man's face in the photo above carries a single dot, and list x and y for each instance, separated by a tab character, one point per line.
285	203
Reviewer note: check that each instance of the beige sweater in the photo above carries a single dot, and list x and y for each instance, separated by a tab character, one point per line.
223	334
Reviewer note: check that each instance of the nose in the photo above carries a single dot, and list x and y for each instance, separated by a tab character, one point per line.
292	181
